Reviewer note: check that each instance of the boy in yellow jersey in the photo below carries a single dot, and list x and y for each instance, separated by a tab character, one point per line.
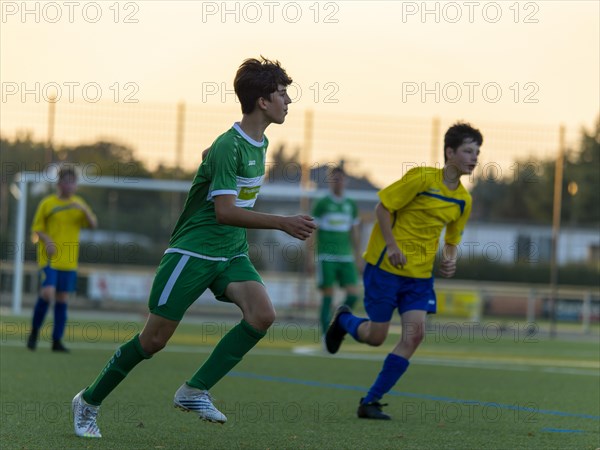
411	215
56	225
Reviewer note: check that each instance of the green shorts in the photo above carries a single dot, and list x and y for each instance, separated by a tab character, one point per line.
181	279
331	272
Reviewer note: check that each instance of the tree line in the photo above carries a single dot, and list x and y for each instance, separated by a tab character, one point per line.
527	196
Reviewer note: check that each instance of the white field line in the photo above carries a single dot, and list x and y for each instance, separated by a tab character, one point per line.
518	364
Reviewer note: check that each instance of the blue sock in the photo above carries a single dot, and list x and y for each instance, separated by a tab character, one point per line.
60	320
393	368
350	323
39	314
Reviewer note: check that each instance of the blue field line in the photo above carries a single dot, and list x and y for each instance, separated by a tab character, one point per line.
347	387
560	430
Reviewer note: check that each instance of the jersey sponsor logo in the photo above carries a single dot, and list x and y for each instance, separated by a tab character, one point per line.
335	221
431	302
248	193
252	162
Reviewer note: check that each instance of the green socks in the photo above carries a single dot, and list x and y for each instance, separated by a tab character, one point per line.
351	300
125	358
228	352
325	315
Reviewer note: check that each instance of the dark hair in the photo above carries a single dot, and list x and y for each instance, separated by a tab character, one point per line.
258	78
458	133
67	172
337	169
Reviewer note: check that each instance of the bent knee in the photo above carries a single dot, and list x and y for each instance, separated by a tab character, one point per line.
153	344
265	319
415	339
260	318
375	341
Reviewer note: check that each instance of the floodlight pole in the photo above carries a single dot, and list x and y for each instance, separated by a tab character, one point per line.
556	210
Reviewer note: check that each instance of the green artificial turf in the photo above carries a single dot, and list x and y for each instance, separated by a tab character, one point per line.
475	391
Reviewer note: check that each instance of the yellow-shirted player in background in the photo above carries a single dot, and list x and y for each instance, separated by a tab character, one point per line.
56	225
411	215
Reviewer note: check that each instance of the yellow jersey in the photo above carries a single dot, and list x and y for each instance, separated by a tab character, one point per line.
62	222
421	206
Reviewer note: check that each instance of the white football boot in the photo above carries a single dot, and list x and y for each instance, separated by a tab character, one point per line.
191	399
84	417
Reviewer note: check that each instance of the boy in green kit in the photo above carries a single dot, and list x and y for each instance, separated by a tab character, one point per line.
337	245
209	250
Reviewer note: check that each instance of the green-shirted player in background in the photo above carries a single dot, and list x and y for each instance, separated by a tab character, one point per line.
411	215
209	250
337	245
56	225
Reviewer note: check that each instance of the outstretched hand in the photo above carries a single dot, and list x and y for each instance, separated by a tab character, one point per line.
300	227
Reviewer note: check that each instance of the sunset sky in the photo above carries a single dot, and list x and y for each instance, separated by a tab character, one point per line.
496	62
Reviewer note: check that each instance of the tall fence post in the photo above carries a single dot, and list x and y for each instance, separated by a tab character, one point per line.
179	135
305	158
179	143
50	133
556	210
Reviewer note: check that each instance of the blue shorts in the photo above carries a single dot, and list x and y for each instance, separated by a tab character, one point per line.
384	292
62	280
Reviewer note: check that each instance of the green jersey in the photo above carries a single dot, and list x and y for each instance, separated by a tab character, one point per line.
335	218
235	165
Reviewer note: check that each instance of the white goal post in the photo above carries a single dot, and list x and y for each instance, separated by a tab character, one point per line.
289	191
